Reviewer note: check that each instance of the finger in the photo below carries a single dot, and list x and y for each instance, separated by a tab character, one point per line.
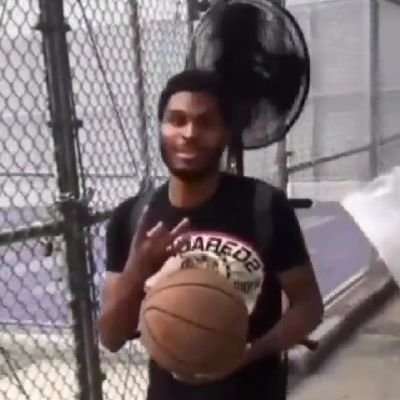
173	264
140	225
180	228
173	240
189	380
154	231
176	246
180	378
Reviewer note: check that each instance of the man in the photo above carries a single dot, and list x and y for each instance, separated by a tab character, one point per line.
204	214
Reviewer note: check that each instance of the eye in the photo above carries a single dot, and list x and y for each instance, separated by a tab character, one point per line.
206	121
176	118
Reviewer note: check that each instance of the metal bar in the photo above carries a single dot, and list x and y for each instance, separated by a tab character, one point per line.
140	89
301	203
397	2
11	174
373	105
54	228
190	19
332	297
64	125
50	175
372	32
321	160
389	139
312	163
282	172
282	175
99	216
33	232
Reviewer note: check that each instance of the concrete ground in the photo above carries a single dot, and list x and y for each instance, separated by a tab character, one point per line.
366	367
45	369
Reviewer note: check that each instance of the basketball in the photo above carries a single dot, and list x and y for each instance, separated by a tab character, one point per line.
194	322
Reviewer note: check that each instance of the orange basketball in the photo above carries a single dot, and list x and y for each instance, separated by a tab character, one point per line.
194	322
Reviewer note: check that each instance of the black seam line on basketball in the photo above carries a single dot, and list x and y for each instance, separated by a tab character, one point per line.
228	335
202	285
164	348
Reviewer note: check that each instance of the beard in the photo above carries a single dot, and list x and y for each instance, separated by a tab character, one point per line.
209	167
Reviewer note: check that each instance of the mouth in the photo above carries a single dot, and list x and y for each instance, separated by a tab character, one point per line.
187	154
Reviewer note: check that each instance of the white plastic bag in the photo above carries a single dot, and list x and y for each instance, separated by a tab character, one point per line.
376	210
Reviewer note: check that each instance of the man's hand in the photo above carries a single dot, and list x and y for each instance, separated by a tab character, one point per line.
172	265
201	379
151	249
304	314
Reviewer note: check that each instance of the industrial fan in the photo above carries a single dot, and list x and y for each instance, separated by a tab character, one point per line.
259	52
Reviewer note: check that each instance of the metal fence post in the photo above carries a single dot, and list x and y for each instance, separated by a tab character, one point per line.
372	108
373	70
140	85
64	126
191	18
282	177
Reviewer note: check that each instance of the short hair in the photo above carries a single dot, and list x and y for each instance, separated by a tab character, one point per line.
196	80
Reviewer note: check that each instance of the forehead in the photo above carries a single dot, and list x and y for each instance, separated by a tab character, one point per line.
193	102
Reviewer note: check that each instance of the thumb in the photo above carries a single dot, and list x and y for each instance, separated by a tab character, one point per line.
173	264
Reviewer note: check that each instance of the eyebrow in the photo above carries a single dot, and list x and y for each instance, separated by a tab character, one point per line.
178	110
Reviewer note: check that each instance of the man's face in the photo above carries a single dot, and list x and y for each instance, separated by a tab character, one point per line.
193	135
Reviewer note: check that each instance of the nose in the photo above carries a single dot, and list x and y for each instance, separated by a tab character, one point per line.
190	131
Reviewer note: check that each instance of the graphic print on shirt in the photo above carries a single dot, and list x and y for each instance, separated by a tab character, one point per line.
227	255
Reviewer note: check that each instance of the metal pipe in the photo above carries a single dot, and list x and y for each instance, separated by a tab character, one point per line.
64	126
282	172
140	91
372	32
312	163
33	232
51	229
371	29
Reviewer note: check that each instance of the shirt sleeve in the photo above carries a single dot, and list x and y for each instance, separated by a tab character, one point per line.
118	237
288	248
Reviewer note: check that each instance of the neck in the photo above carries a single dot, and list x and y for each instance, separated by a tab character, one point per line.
192	194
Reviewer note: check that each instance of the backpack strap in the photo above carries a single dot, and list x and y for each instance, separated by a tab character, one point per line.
261	212
143	198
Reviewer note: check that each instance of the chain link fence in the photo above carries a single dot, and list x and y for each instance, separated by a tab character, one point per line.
36	344
100	90
347	133
387	84
336	119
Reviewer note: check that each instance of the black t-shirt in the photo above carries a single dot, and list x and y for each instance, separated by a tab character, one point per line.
224	237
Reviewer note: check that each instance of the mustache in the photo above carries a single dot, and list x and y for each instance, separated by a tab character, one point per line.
190	146
167	148
189	149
